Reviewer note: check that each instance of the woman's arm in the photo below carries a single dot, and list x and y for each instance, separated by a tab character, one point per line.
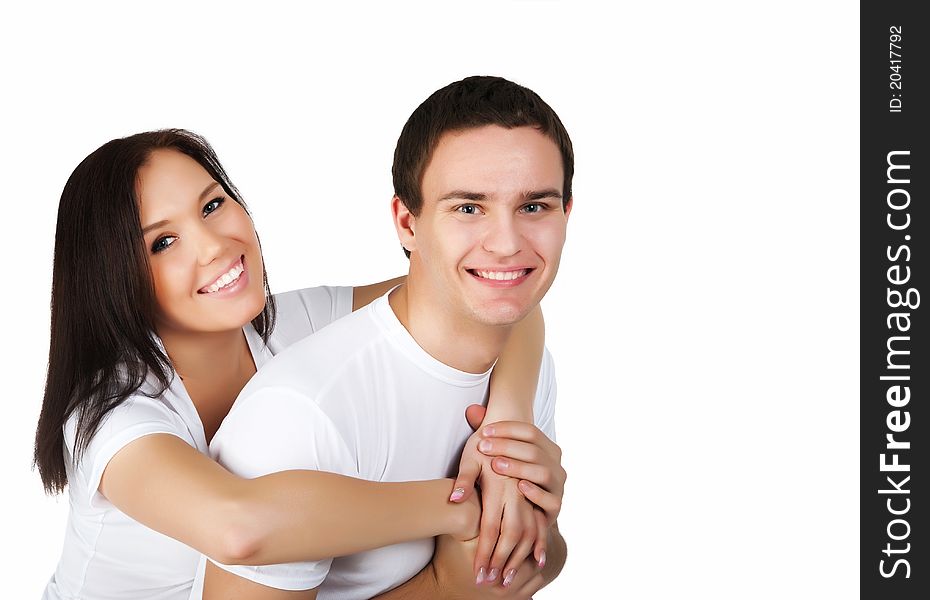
364	294
513	389
535	460
508	528
167	485
513	382
516	374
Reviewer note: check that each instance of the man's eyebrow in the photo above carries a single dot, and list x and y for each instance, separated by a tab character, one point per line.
206	191
464	195
480	197
542	194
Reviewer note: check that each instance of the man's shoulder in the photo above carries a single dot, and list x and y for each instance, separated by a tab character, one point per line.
308	364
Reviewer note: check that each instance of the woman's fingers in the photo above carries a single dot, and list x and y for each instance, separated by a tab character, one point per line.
469	469
514	529
517	558
542	538
464	485
525	451
491	512
551	479
550	503
516	430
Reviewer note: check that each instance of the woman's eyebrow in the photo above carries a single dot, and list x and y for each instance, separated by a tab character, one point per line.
149	228
206	191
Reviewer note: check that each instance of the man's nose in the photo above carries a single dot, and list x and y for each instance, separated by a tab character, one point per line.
503	236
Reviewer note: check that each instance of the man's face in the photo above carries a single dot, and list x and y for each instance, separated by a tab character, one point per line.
490	233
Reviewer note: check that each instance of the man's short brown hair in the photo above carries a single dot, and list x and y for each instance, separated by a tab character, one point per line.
472	102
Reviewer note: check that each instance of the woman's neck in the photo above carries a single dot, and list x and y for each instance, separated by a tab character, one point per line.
207	356
214	367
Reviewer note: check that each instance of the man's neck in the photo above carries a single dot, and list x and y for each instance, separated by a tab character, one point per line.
457	341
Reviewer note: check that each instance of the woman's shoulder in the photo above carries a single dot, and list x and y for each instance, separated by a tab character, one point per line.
152	408
305	311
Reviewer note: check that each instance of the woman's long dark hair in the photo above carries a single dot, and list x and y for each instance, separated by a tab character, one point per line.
103	300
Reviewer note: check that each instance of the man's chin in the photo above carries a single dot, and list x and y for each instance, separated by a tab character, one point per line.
501	314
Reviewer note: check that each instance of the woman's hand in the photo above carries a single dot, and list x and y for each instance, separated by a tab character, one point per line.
454	580
510	530
506	457
522	451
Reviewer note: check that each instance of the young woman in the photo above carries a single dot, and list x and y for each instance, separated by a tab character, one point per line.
160	314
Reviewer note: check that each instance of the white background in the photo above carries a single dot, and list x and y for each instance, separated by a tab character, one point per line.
704	322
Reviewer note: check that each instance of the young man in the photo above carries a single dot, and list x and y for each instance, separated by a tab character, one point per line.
482	176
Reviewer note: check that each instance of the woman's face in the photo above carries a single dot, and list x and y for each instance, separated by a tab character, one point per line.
204	255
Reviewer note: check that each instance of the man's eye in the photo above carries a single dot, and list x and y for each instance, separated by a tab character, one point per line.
162	243
212	205
534	207
468	209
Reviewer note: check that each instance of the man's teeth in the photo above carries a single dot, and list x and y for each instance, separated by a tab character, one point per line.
227	278
502	275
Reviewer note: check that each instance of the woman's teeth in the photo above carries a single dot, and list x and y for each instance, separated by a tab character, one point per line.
502	275
226	279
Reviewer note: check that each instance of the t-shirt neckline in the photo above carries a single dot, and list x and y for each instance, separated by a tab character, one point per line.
381	311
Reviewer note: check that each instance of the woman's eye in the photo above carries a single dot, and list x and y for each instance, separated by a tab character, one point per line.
212	205
162	243
468	209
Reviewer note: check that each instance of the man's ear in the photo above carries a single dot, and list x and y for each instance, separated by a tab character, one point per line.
404	223
568	207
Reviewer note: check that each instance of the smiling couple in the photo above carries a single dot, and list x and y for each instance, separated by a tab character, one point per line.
331	449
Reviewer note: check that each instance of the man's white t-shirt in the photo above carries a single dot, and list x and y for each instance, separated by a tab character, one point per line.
362	399
106	553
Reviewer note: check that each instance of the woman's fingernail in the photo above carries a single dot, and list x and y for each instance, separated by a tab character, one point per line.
480	578
542	559
509	578
502	463
492	575
457	494
489	430
484	445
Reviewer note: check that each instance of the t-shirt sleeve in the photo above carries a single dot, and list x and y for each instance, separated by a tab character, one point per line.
136	417
277	429
544	403
302	312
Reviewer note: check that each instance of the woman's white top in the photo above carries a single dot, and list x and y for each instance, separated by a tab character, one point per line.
109	555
